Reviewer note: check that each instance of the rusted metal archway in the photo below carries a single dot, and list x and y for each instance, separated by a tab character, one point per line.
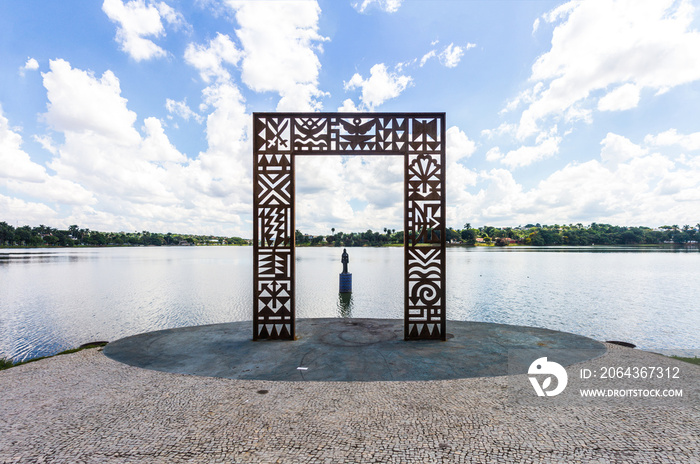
419	138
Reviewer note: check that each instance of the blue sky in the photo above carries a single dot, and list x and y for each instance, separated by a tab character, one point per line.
135	115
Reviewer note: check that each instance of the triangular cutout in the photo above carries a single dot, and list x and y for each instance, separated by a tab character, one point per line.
425	333
284	333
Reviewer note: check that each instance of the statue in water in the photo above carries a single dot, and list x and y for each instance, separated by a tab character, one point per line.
345	259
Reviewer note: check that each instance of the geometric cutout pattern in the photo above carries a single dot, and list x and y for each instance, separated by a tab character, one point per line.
279	137
425	300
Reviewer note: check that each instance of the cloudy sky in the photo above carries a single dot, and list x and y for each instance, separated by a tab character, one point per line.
132	115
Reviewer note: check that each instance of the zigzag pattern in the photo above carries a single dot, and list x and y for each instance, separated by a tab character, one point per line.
274	226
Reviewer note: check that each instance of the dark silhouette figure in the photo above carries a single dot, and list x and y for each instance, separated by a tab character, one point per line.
345	259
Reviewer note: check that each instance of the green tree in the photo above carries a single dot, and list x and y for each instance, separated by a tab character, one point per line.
23	235
468	236
299	238
452	235
7	234
51	240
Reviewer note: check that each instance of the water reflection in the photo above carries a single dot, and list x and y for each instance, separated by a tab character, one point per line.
345	304
52	300
589	249
42	257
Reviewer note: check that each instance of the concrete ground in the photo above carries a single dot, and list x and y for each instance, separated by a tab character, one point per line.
87	408
350	350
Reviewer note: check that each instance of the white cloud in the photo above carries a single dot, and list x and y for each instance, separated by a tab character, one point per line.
180	108
390	6
228	157
137	179
449	57
46	143
622	98
25	212
503	129
617	149
578	113
171	16
342	182
546	147
135	21
381	86
348	106
602	44
671	137
452	54
15	162
156	146
210	59
53	189
103	151
30	65
426	57
626	193
494	154
526	96
23	175
630	185
280	41
79	102
458	145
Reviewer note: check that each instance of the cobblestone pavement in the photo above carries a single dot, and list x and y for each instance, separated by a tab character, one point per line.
86	408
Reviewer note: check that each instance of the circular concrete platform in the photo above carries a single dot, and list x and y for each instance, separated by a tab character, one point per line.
351	350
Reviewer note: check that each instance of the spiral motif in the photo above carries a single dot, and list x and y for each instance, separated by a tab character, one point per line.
428	292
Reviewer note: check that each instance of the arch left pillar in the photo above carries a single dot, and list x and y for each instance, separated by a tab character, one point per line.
273	230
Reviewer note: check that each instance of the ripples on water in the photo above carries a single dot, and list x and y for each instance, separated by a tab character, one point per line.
55	299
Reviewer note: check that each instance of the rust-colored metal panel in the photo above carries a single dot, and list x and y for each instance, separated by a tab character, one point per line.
419	138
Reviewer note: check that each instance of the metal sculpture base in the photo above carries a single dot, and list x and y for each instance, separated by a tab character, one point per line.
345	283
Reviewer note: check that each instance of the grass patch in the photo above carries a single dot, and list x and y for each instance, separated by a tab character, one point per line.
8	363
5	363
694	360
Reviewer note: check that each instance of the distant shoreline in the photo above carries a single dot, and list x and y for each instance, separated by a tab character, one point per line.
53	247
391	245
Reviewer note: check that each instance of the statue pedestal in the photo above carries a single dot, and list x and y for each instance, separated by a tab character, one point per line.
345	283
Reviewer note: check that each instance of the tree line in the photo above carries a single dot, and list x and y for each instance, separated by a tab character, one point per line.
353	239
76	236
574	234
530	234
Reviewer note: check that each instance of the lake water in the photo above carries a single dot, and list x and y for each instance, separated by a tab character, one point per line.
55	299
